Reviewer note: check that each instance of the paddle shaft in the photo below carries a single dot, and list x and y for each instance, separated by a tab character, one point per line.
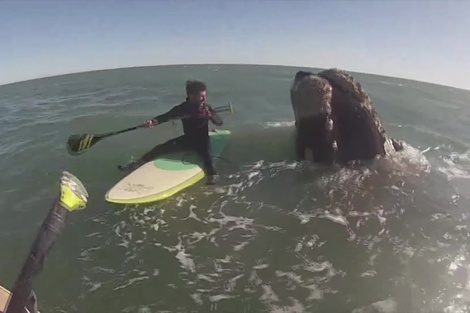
120	131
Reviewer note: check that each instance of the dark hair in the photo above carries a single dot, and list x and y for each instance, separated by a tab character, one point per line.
194	86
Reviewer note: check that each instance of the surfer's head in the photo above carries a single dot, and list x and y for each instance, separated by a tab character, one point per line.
196	91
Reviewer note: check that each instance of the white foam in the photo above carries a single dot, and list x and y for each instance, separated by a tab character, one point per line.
197	298
268	294
217	298
456	165
95	286
100	269
410	160
184	259
240	246
279	124
369	273
335	218
385	306
204	277
315	292
193	215
319	267
130	282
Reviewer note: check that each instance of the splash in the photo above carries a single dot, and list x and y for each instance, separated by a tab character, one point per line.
456	165
275	236
279	124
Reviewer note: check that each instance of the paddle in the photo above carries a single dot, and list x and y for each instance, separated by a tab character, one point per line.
78	144
73	196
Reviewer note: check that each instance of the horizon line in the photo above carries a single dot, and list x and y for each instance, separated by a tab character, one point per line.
243	64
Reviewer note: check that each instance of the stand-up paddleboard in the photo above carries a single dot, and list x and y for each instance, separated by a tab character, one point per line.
166	175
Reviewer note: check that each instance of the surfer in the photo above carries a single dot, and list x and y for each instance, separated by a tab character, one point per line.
195	114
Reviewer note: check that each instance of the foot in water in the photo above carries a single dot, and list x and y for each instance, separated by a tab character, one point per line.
211	179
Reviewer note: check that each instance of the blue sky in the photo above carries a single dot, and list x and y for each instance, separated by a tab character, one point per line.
422	40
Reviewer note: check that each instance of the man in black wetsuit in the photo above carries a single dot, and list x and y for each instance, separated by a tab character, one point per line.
195	114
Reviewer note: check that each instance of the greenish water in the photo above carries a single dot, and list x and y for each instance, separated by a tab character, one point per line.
273	236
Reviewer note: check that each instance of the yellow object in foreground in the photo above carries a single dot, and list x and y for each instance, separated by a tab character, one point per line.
73	195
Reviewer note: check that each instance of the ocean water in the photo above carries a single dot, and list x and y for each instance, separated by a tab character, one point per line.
274	235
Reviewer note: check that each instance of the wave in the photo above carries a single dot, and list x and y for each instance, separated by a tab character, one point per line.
390	83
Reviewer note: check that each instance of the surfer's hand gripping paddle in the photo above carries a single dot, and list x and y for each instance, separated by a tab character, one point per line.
78	144
72	197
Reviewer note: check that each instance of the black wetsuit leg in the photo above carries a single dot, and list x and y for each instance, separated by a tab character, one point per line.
172	145
202	146
204	151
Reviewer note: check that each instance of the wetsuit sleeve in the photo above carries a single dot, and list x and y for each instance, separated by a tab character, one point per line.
174	113
215	118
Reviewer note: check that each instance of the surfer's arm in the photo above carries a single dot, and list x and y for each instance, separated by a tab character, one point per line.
175	113
215	118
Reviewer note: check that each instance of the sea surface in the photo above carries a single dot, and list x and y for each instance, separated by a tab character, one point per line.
274	235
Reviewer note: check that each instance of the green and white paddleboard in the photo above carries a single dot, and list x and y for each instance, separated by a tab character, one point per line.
166	175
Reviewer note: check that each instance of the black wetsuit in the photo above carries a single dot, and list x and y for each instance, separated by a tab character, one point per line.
195	129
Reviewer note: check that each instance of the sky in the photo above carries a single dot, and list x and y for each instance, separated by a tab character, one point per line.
422	40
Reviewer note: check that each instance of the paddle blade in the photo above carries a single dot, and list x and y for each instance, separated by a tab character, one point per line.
77	144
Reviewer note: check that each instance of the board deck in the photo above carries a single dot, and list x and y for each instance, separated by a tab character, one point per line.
165	176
